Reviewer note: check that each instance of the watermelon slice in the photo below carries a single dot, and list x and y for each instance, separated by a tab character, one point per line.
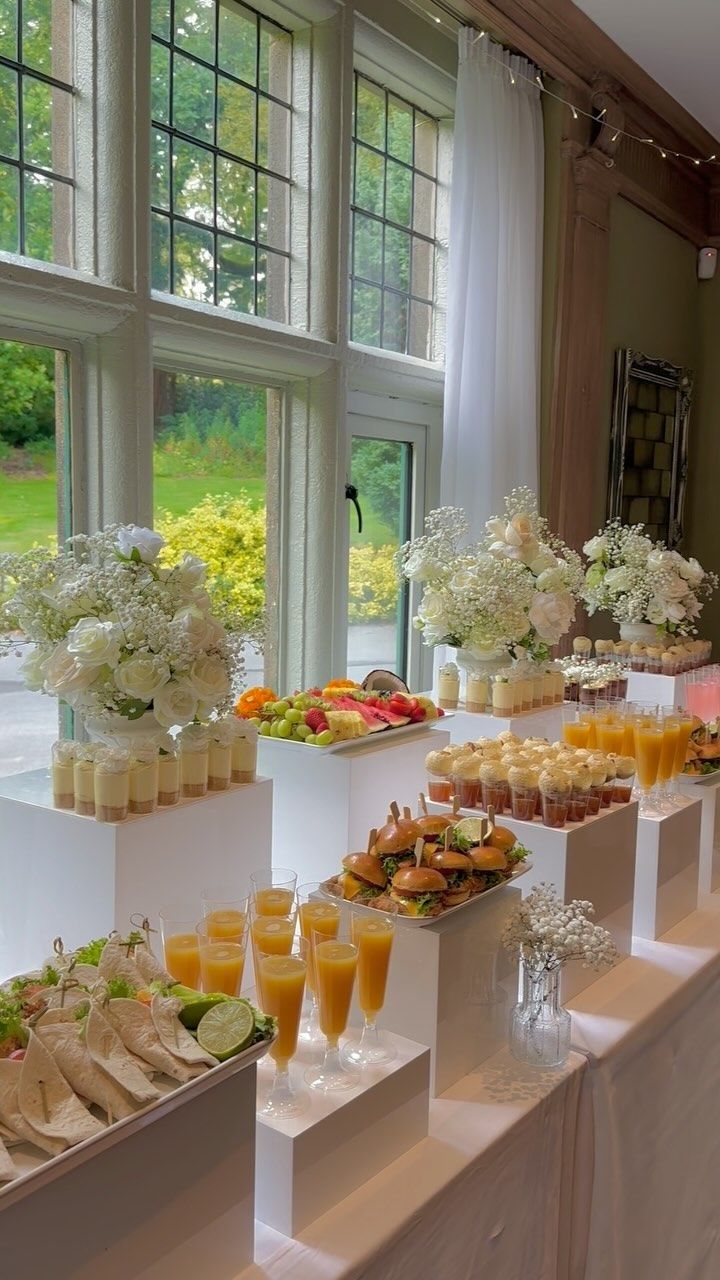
372	719
392	720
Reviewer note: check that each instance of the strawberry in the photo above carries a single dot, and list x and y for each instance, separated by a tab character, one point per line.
315	719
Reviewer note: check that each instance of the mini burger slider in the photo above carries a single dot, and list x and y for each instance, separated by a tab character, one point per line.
457	869
363	877
419	891
432	828
395	844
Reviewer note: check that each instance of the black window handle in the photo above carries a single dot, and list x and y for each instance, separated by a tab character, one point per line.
351	494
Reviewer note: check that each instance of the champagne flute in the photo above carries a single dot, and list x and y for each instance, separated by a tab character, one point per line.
271	934
373	936
282	978
222	958
273	891
178	924
336	962
648	745
314	913
225	911
671	723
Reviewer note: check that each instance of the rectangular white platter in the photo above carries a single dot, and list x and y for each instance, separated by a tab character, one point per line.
369	739
418	922
38	1170
699	779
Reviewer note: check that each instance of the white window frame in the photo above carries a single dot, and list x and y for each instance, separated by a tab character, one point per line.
114	327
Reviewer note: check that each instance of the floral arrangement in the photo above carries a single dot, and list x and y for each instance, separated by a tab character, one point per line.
638	580
512	592
548	932
117	632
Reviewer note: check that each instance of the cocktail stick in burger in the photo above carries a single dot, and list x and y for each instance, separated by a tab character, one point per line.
457	869
395	842
363	877
419	891
432	829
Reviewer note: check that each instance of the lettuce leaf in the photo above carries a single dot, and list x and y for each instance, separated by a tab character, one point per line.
91	952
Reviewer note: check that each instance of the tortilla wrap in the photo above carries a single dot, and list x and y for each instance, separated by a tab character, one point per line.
7	1168
134	1024
85	974
174	1035
48	1103
150	967
116	963
11	1115
66	1043
108	1051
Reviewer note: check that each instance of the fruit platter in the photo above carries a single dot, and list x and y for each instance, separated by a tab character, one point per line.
103	1037
335	716
427	866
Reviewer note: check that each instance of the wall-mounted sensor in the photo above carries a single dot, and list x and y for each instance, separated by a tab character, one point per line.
707	262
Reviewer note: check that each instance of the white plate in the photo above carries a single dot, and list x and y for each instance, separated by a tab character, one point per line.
369	739
37	1169
699	778
419	922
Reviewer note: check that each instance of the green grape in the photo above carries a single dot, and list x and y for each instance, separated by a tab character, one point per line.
281	707
302	732
265	729
311	740
274	728
284	729
294	716
256	720
325	738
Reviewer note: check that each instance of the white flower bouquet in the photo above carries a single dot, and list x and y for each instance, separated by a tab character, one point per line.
547	932
117	633
638	580
513	592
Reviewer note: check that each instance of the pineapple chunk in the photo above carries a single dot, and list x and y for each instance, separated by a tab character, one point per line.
346	725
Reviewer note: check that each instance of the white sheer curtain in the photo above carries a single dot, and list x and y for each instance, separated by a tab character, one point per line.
491	419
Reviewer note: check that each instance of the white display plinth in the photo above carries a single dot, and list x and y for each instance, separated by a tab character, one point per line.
325	802
667	691
592	860
62	874
666	869
706	792
174	1198
451	986
468	726
306	1165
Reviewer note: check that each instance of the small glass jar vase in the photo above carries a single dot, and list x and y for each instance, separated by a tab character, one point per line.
539	1026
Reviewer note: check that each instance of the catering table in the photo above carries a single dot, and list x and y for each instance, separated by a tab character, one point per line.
650	1030
486	1194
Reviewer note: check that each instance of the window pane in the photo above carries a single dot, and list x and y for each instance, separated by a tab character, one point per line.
160	18
209	479
160	252
237	41
366	308
389	183
400	130
397	259
47	37
160	172
236	119
273	282
275	60
8	29
48	219
236	198
368	248
370	114
381	470
193	258
193	98
369	180
394	321
273	212
195	27
160	83
236	275
193	181
273	150
8	112
34	509
9	210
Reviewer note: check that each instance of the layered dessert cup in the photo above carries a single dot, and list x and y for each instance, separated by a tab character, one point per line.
194	761
63	784
555	792
112	785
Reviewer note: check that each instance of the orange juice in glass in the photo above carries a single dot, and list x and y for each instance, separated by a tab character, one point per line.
336	962
648	746
684	731
222	961
282	979
180	945
575	730
373	936
315	914
273	892
225	912
671	734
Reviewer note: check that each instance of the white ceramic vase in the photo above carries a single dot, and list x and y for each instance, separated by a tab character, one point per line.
639	632
481	663
117	731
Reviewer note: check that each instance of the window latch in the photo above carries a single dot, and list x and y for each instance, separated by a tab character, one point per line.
351	495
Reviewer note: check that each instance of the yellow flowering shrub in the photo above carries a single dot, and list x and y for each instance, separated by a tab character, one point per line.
228	533
373	583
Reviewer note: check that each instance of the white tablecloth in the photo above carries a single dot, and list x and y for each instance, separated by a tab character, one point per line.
651	1029
486	1195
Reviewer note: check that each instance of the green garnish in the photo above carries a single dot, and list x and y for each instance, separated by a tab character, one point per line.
91	952
11	1030
50	976
120	989
518	853
460	841
425	903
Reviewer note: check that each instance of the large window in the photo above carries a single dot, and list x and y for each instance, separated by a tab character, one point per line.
36	129
393	236
221	93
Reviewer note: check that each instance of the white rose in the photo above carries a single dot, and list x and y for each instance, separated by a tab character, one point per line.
64	675
656	611
546	560
551	614
619	579
675	611
658	559
596	547
694	572
551	580
175	704
202	630
209	679
432	608
191	572
418	566
147	543
142	677
463	580
94	643
33	669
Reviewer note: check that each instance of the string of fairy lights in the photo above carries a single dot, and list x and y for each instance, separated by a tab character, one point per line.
514	74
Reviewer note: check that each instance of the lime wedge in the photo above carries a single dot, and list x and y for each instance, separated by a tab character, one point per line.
195	1008
472	829
226	1029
